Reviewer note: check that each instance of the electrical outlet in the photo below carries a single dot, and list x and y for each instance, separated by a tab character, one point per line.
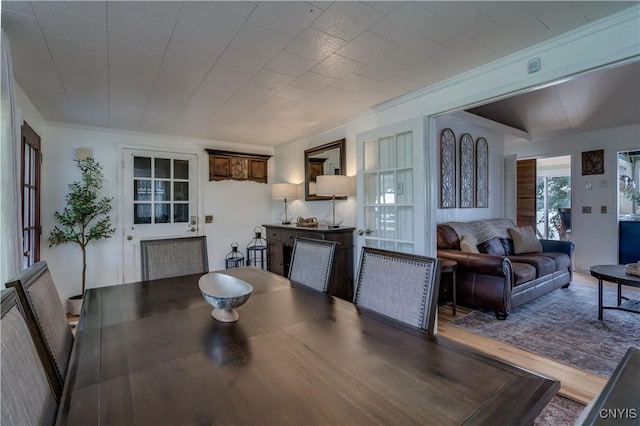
208	218
586	209
603	209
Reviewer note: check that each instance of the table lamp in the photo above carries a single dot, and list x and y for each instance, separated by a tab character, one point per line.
333	186
284	191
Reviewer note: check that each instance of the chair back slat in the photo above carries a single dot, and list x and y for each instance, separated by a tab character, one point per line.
173	257
312	262
27	398
46	320
399	285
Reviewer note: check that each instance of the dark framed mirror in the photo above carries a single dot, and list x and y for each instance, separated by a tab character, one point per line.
327	159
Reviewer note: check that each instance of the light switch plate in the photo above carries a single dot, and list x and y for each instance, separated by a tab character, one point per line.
586	209
208	218
603	209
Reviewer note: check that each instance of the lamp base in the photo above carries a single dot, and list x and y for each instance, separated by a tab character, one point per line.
333	226
286	222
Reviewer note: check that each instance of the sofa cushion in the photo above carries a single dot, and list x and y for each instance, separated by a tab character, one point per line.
563	261
468	245
543	265
525	240
492	246
447	237
522	273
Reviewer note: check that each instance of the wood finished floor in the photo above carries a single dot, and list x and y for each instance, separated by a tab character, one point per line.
576	384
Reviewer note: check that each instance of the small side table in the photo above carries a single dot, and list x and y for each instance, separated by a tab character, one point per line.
449	266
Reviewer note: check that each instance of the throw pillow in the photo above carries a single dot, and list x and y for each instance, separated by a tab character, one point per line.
492	246
468	245
525	240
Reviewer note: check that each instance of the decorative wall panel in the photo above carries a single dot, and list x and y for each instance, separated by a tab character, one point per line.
482	173
467	172
448	171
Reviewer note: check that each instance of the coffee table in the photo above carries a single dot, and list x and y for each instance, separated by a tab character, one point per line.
616	274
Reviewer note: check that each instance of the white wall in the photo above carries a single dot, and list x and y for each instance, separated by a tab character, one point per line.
495	140
595	235
237	207
28	112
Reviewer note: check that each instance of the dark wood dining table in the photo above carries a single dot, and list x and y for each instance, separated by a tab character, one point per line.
149	353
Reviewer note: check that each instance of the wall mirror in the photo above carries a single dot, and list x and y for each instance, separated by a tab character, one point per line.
327	159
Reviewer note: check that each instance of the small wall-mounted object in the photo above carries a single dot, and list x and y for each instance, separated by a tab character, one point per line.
225	165
208	218
84	153
593	162
586	209
533	65
603	209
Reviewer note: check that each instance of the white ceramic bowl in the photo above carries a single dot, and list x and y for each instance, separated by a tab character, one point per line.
224	293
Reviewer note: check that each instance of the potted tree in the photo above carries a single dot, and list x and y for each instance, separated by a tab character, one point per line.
85	218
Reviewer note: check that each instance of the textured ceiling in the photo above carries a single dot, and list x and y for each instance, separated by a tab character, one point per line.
258	72
596	100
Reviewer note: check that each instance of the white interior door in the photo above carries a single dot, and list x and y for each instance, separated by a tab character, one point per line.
391	209
160	201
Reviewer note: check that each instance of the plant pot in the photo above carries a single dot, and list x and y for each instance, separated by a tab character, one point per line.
74	305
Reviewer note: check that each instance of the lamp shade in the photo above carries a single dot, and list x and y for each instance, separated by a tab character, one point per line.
281	191
330	185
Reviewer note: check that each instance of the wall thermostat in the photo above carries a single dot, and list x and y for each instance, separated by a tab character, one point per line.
534	65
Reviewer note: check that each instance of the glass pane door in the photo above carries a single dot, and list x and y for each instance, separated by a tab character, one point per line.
389	192
160	201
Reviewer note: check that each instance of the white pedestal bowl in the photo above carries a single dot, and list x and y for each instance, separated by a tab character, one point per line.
225	294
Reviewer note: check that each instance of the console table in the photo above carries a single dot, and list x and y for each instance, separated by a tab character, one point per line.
280	239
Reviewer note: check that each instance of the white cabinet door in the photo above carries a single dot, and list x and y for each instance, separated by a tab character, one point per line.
160	201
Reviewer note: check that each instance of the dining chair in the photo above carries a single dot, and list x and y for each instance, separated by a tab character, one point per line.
312	262
46	321
27	397
399	285
173	257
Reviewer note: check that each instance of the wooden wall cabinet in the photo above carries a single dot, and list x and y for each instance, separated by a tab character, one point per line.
280	239
224	165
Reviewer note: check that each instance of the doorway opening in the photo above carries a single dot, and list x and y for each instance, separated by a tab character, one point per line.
553	198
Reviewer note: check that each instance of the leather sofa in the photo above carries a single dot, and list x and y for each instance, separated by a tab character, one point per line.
496	278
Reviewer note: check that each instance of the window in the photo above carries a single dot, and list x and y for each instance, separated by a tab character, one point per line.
553	192
160	190
30	178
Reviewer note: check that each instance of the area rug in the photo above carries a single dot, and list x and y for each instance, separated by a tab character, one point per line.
563	326
560	411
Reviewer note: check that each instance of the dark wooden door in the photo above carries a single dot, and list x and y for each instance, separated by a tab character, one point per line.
526	193
30	178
